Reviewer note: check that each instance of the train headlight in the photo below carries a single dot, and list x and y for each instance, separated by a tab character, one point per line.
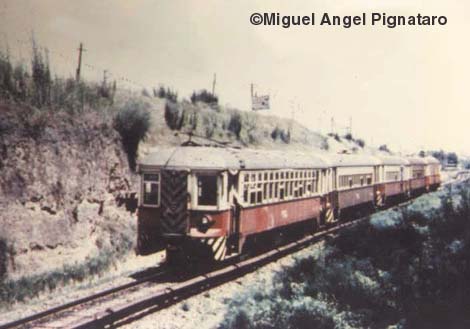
205	220
204	223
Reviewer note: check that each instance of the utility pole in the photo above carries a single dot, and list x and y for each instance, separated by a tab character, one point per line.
213	84
79	67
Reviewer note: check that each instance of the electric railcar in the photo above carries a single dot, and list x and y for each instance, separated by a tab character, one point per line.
208	203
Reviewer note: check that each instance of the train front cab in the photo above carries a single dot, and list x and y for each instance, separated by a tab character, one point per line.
185	212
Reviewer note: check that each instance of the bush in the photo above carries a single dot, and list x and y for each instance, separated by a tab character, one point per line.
384	148
360	142
235	124
205	97
335	136
166	94
4	255
405	269
281	134
132	122
174	115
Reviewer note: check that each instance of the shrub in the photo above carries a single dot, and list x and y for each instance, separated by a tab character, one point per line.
166	93
174	115
335	136
404	269
132	122
349	137
4	255
360	142
384	148
205	97
281	134
235	124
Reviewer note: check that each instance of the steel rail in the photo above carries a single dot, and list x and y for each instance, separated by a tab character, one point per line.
54	310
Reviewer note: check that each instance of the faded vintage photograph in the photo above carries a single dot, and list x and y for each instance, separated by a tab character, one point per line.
226	164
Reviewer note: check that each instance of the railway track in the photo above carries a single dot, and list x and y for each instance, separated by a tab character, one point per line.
35	319
127	303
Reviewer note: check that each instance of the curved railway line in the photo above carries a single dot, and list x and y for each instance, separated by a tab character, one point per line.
129	302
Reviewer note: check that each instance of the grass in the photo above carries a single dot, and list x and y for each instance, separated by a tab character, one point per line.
30	287
412	274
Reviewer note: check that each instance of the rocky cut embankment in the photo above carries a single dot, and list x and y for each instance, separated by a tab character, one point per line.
61	177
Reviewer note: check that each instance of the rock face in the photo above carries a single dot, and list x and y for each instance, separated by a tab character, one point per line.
60	177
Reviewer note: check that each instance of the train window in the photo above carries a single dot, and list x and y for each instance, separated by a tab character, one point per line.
151	189
369	180
362	180
266	176
246	177
271	186
207	190
350	182
252	197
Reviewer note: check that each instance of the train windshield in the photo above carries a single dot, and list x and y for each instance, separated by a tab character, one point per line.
207	190
151	189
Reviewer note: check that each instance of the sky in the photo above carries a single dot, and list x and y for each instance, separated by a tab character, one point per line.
407	87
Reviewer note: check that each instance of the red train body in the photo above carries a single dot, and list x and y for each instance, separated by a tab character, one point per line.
206	203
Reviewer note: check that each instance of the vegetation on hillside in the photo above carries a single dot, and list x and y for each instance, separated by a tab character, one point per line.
405	269
36	88
132	122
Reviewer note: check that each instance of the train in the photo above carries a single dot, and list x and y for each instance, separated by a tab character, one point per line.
207	204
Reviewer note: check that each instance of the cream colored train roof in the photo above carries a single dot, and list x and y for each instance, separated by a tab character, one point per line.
353	160
391	160
195	157
416	160
213	158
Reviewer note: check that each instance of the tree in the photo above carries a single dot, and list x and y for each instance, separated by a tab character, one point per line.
205	97
132	122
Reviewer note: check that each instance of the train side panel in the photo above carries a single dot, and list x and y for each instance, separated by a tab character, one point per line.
355	197
267	217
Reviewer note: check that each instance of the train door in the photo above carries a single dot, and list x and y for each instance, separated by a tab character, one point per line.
402	169
234	243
